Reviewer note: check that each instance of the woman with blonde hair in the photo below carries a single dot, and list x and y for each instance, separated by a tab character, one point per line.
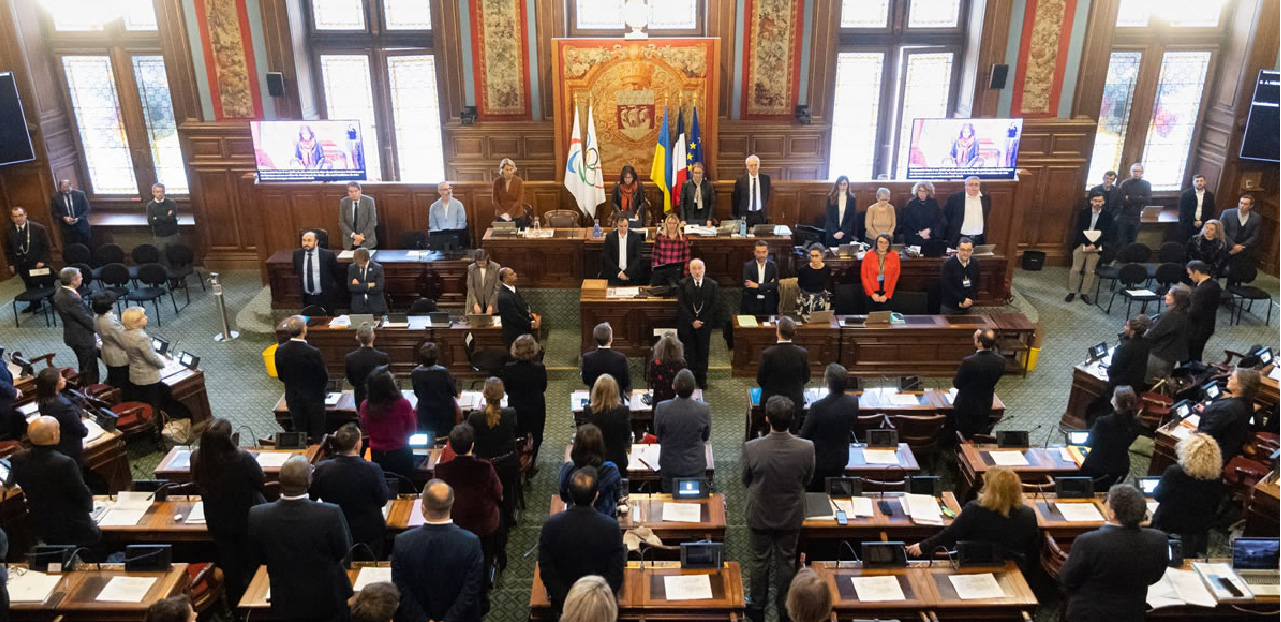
808	599
999	516
508	195
880	217
670	246
1210	246
1189	492
495	427
668	359
145	366
590	600
609	412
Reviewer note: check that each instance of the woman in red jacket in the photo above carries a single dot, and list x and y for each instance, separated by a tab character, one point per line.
880	274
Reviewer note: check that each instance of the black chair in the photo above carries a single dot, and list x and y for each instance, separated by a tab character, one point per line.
142	255
114	278
76	253
1105	270
485	362
155	284
1172	252
804	235
413	240
180	269
1242	274
86	273
1167	274
107	254
1132	276
422	305
41	295
314	311
910	303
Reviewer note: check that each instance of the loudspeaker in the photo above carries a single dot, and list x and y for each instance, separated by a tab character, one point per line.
468	115
803	115
275	84
999	73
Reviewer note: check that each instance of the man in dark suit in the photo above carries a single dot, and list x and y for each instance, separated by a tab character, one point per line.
580	541
1241	228
760	283
357	486
26	247
1203	308
682	425
364	360
776	470
516	316
357	219
828	426
605	360
698	307
301	367
1108	571
70	209
966	213
975	383
622	260
317	270
1227	419
1136	193
959	280
438	566
784	369
1196	205
1111	193
57	498
479	496
750	198
12	423
365	282
304	545
77	324
1092	225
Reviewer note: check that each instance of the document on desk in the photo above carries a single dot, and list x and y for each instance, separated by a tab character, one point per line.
855	507
690	587
1085	512
126	589
1179	587
94	430
332	398
905	400
950	396
644	455
272	458
924	509
747	321
371	574
116	517
350	253
197	514
682	512
31	586
875	589
976	586
1008	457
341	321
880	456
622	292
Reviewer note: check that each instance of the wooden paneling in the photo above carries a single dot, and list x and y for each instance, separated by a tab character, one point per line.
220	167
1094	58
1053	160
787	149
472	153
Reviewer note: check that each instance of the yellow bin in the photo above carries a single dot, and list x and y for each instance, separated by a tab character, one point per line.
1032	355
269	359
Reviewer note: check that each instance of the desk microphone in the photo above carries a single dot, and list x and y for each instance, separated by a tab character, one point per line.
358	545
236	436
398	476
155	494
1049	436
846	546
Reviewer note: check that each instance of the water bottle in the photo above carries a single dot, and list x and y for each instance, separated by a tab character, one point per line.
596	228
742	228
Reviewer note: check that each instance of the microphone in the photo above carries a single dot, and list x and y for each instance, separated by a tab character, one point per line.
398	476
1051	435
846	546
252	435
946	551
357	545
155	494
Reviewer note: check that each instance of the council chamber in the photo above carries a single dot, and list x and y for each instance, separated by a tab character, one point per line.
970	301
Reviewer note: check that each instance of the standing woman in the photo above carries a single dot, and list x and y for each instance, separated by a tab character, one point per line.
813	282
1168	337
495	428
698	202
880	272
436	390
525	380
1110	438
1189	492
145	366
668	359
628	198
921	219
842	222
880	217
230	482
670	247
52	403
588	449
609	412
508	195
111	331
388	419
1209	246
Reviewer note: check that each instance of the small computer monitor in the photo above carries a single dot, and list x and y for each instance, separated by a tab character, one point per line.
702	554
443	241
1077	438
843	487
891	554
188	360
44	555
1181	410
420	440
291	440
1098	350
1255	553
1176	551
161	346
1211	390
1148	485
922	484
1012	438
148	557
978	553
1074	487
684	488
882	438
1265	357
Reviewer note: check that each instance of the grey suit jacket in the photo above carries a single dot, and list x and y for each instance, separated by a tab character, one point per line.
365	299
368	220
483	293
112	334
144	363
77	322
1246	235
776	469
682	427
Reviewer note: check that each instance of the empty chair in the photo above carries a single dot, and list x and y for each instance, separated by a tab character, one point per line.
921	433
413	240
1239	288
180	268
562	218
422	305
485	362
863	423
142	255
41	295
76	253
1172	252
314	311
1106	270
1132	277
1168	274
155	284
114	278
107	254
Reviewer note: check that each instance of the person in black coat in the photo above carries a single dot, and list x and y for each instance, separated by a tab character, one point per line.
698	307
1111	193
516	316
12	424
70	209
999	515
1110	438
304	545
526	382
959	280
760	283
230	482
366	284
318	274
1189	492
621	261
828	425
784	369
954	213
609	411
77	325
1108	570
1196	205
604	360
842	222
1130	358
438	567
356	485
921	218
437	392
26	247
57	498
1168	336
363	360
975	383
302	368
1227	419
750	199
71	428
627	199
578	542
1203	308
698	201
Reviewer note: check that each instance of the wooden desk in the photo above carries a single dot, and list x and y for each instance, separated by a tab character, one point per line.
649	508
1164	441
254	605
555	261
633	319
643	470
108	457
928	402
642	596
974	461
859	467
176	465
1255	610
821	340
642	414
724	255
927	588
75	597
1261	511
1050	520
188	387
821	537
345	410
408	278
917	274
924	345
401	344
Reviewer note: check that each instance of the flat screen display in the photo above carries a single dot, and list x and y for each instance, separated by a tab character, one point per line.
15	142
1262	140
959	148
308	150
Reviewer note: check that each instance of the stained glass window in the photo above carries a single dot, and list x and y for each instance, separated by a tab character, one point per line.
609	15
338	14
415	105
1181	14
855	112
349	94
407	14
1114	114
1174	116
865	13
162	129
927	80
934	14
96	107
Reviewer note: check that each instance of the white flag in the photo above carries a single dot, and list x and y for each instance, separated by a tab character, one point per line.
582	168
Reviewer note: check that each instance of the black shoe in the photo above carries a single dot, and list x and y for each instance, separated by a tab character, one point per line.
1069	298
1086	299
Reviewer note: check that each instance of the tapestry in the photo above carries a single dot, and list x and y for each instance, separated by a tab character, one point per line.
1047	32
229	59
501	51
772	57
629	83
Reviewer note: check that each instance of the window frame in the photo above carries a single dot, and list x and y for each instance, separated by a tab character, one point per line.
574	32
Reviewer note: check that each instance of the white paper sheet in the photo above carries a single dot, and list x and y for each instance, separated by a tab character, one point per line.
333	398
747	321
923	509
622	292
1065	455
1079	512
371	574
642	457
905	400
117	517
129	500
197	514
875	589
1008	457
126	589
682	512
951	394
272	458
1134	293
31	586
1152	505
691	587
1092	235
94	430
880	456
1189	588
976	586
855	507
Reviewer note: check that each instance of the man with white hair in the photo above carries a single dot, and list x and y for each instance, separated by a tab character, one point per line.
447	214
966	213
699	308
1136	193
750	199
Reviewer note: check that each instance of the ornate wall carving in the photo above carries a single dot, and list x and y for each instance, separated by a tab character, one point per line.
229	58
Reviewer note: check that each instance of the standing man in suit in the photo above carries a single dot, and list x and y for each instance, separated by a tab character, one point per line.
1241	228
698	304
760	283
1196	205
77	324
622	258
70	209
1203	308
57	497
698	202
304	544
750	198
301	367
357	219
357	486
364	360
1108	571
579	542
317	270
162	217
605	360
1092	224
966	213
482	284
479	496
1136	192
26	247
438	566
1111	194
828	426
516	317
784	369
975	383
365	282
776	470
959	280
682	425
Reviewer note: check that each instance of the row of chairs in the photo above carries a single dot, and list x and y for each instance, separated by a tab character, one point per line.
1129	271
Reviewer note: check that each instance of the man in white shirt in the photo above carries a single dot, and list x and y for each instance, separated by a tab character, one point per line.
750	198
967	213
622	257
1196	205
760	283
318	276
447	214
1091	228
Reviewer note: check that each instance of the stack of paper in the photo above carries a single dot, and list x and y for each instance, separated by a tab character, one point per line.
31	586
905	400
855	507
126	589
1079	512
874	589
951	395
682	512
747	321
341	321
880	456
1179	587
699	230
272	458
371	574
643	455
976	586
127	510
924	509
1008	457
197	514
94	429
688	587
622	292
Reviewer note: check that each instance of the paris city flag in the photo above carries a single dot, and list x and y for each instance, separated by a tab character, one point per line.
678	159
582	168
660	172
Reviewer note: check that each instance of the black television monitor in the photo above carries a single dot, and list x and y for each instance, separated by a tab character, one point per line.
1012	438
15	141
979	553
960	148
702	554
1074	487
291	440
891	554
923	484
1261	140
309	150
882	438
148	557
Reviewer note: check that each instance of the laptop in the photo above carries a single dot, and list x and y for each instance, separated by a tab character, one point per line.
854	320
1077	438
1211	391
479	320
818	317
1148	485
847	250
188	360
985	249
358	319
420	444
878	317
934	248
1098	350
1255	561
